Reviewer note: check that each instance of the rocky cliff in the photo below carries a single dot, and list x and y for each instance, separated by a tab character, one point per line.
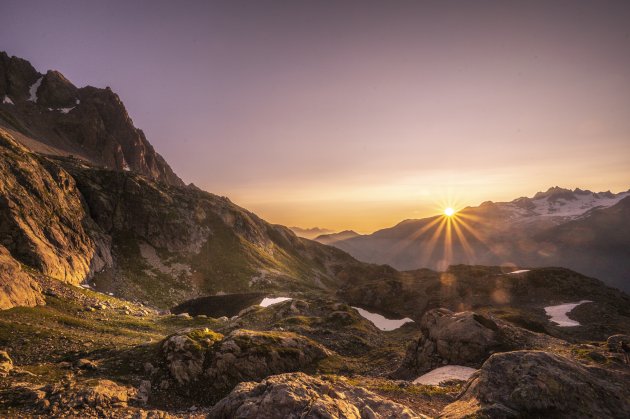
52	116
43	221
143	239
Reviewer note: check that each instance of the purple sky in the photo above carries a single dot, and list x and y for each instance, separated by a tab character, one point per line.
356	114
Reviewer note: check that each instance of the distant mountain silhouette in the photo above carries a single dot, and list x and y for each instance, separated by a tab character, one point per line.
335	237
577	229
310	233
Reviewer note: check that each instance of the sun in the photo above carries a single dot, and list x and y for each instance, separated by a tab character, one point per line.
449	211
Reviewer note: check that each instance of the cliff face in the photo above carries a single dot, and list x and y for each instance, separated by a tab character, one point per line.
141	238
43	222
18	287
50	115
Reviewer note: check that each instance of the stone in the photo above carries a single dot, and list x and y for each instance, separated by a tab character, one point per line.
85	364
298	395
202	365
465	338
613	342
542	384
6	364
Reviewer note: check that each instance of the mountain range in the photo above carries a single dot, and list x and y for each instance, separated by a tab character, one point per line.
579	229
126	293
310	233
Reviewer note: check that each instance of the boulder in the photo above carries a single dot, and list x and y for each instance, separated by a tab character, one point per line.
298	395
6	364
246	355
465	338
85	364
613	342
185	353
541	384
202	366
89	397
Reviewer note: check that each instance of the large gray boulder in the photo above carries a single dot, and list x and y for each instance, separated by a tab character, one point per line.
541	384
298	395
464	338
203	366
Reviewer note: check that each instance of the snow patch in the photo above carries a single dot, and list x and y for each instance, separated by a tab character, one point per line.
520	271
575	207
449	372
382	322
7	100
65	110
33	90
266	302
559	313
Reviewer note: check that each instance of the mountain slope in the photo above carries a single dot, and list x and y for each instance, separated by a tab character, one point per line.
335	237
309	233
577	229
143	239
50	115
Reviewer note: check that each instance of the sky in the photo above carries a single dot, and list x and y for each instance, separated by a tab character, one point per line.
355	114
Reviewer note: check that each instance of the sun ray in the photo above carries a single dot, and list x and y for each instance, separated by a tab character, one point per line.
403	245
433	242
468	250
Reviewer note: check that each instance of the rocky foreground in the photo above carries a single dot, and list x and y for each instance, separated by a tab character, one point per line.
86	354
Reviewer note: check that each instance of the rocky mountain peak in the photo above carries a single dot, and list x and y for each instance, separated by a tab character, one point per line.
55	117
555	193
56	91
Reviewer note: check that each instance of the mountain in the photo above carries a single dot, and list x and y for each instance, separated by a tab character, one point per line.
310	233
50	115
143	239
578	229
335	237
93	256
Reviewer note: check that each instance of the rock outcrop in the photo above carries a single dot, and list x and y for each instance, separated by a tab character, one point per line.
614	341
143	239
6	364
17	288
464	338
301	396
541	384
56	117
43	220
202	365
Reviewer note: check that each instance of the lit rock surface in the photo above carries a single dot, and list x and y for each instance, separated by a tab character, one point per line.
541	384
43	222
202	364
301	396
17	288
